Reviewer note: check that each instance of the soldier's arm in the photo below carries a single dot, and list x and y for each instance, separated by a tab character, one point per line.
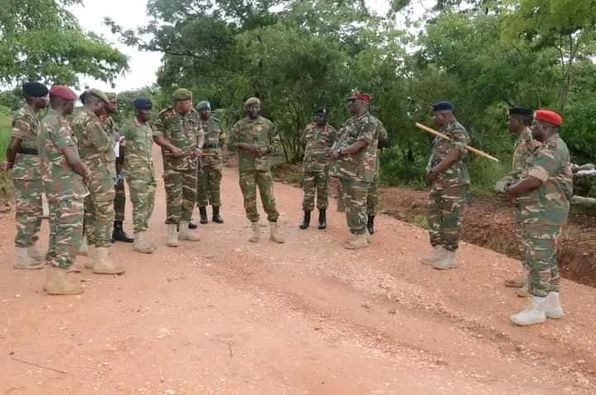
459	140
365	137
61	138
98	136
11	152
383	137
20	129
545	164
234	145
159	138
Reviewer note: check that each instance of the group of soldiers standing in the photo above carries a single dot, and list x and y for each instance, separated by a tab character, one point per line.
73	160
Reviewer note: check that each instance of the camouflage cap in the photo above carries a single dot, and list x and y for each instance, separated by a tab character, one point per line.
182	94
203	105
251	101
99	94
111	96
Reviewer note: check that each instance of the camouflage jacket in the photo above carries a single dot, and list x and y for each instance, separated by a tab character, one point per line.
138	140
548	204
260	132
318	141
96	146
183	131
60	181
25	127
361	166
457	174
383	138
215	139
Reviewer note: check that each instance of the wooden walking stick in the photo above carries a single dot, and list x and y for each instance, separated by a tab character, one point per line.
439	134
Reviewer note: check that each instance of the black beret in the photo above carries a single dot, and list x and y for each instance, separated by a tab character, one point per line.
443	106
143	104
521	111
34	89
321	110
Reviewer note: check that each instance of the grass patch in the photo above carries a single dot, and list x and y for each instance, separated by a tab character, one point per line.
5	122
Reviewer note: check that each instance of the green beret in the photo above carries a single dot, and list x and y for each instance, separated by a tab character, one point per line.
182	94
203	105
99	94
251	101
111	96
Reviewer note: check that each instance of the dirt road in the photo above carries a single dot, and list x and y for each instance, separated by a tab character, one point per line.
227	316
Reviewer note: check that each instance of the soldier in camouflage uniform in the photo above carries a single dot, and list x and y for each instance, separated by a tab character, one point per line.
22	158
372	198
318	137
449	179
209	175
63	175
96	148
138	169
177	131
253	137
542	195
118	233
355	154
518	123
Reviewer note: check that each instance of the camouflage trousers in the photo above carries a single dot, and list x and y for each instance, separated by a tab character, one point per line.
142	195
119	200
99	210
181	194
444	215
249	180
372	197
208	187
539	243
66	229
315	183
354	198
28	211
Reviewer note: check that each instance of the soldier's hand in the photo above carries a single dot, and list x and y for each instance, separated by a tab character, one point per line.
5	166
431	176
260	151
177	152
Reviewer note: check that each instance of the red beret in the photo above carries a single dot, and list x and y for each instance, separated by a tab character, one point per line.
548	116
360	96
63	92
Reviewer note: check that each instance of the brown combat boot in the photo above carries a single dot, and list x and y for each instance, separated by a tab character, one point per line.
142	245
57	283
256	232
517	282
84	248
357	241
34	253
172	235
275	235
24	261
104	265
186	234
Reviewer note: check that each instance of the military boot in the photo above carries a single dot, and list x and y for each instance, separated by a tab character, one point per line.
216	217
370	225
34	253
192	224
91	257
534	313
306	220
104	265
447	262
357	241
552	307
256	232
186	234
84	248
172	235
24	261
118	234
142	244
57	283
275	235
438	254
203	214
322	219
523	291
516	282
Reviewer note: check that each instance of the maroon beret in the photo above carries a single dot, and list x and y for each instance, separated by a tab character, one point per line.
549	117
62	92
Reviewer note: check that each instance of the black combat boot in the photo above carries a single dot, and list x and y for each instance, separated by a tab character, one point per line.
371	224
203	213
118	233
322	219
216	217
306	220
192	224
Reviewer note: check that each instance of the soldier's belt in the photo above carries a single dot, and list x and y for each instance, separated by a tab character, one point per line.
28	151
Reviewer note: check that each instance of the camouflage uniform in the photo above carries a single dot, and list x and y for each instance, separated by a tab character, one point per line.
96	148
357	172
138	169
120	192
316	164
449	191
209	177
26	177
64	189
543	212
180	174
372	198
255	171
